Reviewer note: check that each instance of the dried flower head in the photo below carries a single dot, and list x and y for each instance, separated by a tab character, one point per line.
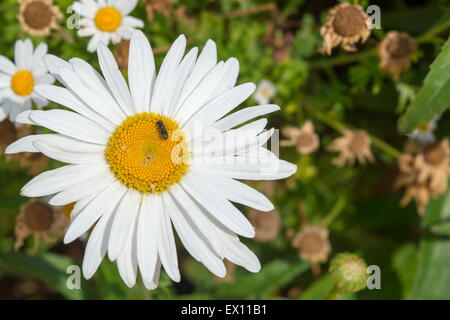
42	221
33	162
424	172
163	7
229	278
395	51
433	165
304	139
121	54
352	146
312	244
39	17
346	25
266	224
7	134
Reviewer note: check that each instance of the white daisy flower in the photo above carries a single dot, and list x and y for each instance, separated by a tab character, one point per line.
18	80
122	142
265	91
106	21
425	132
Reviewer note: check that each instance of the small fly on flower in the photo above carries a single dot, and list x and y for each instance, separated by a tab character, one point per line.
162	129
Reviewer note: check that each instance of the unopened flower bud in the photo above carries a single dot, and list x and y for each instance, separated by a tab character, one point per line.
349	272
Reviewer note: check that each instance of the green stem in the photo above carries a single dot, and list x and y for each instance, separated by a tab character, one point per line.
429	35
337	209
338	126
334	294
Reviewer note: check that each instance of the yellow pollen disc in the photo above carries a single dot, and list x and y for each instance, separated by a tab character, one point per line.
424	127
108	19
142	158
22	83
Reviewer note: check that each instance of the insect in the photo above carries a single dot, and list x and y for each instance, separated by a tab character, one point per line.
162	129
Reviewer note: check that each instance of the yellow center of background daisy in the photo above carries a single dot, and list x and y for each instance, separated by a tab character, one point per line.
22	83
424	127
142	157
108	19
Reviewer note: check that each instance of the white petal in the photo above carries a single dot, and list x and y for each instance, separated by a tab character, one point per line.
123	222
7	66
126	6
243	115
53	181
217	205
71	124
166	241
221	105
38	55
147	246
98	243
114	78
86	188
132	22
164	83
100	101
127	260
68	156
190	235
235	191
205	62
141	71
104	202
68	99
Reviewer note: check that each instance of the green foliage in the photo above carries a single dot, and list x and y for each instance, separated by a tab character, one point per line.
434	97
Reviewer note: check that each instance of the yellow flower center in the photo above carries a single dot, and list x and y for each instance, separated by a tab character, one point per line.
148	153
424	127
22	83
108	19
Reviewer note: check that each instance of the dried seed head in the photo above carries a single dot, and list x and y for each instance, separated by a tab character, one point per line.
8	134
266	224
352	146
312	244
121	54
39	17
304	139
38	216
395	52
349	21
346	25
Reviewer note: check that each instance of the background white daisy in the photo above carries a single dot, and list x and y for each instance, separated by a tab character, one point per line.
106	20
121	171
265	91
425	132
19	79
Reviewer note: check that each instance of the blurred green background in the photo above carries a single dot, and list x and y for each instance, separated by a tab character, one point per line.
359	205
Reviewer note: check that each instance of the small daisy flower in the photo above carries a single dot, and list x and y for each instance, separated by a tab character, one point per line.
18	80
265	91
106	21
395	51
346	25
425	132
133	154
39	17
352	146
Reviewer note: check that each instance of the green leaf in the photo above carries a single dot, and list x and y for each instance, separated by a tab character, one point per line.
48	267
273	276
319	290
434	97
404	261
433	273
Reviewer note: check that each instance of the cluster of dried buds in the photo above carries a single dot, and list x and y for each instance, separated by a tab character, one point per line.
424	172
